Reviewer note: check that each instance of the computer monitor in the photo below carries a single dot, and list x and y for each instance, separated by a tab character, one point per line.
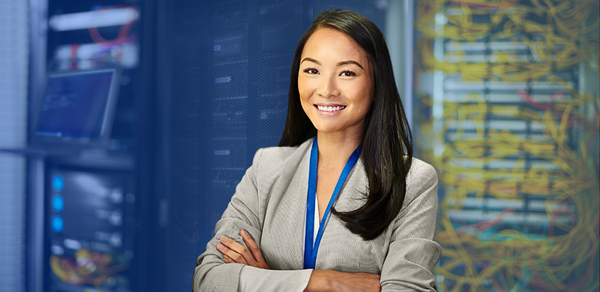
78	108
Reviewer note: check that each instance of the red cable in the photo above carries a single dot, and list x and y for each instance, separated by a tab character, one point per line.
121	37
74	48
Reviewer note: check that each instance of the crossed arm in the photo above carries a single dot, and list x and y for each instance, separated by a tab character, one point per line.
320	280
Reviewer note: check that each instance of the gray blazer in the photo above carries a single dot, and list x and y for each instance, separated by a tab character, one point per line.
270	203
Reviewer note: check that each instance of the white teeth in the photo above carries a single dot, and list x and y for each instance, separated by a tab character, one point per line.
330	108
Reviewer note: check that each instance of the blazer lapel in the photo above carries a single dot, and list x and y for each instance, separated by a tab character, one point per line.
298	193
286	211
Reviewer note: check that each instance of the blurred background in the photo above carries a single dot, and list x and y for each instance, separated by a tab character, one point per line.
125	126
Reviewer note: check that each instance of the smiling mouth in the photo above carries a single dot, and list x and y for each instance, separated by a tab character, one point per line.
330	108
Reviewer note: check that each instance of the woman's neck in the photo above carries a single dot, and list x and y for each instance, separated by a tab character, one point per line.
336	148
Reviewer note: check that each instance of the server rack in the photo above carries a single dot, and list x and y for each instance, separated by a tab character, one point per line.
100	235
527	208
229	69
490	136
91	225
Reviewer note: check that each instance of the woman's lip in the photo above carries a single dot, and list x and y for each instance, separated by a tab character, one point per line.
327	104
329	113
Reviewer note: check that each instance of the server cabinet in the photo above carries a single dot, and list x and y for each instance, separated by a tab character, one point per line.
90	207
90	228
489	102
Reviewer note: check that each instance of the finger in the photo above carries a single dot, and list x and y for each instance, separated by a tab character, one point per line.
238	248
254	249
234	256
227	259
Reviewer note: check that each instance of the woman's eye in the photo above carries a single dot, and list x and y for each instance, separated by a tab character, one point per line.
347	73
311	71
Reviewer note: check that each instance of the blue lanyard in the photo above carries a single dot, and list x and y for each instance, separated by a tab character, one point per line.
310	251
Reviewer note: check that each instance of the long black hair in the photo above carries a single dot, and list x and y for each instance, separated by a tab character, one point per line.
387	141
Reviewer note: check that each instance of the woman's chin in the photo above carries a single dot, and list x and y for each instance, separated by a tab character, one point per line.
333	130
327	128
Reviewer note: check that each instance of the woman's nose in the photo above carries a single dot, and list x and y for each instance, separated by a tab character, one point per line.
328	87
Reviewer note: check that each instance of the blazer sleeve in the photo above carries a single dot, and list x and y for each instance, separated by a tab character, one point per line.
412	252
213	274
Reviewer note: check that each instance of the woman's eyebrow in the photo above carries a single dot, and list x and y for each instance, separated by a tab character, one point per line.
311	60
350	62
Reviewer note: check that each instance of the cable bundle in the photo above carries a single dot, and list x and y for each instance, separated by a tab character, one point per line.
519	149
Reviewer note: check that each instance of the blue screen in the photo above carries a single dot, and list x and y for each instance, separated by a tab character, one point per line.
74	104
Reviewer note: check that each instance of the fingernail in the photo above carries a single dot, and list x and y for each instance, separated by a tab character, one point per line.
243	232
224	239
219	246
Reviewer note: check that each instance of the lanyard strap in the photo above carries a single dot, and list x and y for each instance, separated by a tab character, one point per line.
310	251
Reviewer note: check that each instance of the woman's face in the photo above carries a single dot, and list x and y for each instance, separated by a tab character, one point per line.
335	82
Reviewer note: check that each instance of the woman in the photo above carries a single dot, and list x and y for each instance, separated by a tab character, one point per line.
341	205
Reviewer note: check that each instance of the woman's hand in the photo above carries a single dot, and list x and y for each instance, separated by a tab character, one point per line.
234	252
328	280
